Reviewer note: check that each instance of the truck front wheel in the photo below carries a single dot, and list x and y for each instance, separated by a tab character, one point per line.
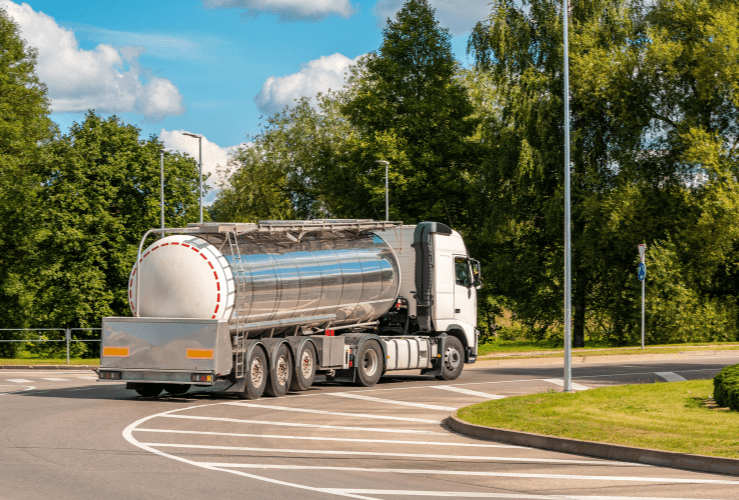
369	364
453	362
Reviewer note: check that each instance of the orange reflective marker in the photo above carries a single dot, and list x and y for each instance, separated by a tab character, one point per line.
200	354
115	352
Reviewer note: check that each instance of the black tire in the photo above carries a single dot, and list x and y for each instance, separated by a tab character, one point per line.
453	360
176	389
281	375
257	371
149	390
369	364
305	373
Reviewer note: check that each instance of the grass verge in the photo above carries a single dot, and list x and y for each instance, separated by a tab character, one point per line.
662	416
520	349
49	361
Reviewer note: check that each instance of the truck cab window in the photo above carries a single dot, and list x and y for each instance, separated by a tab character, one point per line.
462	271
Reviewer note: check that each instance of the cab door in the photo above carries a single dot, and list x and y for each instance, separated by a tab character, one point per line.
465	293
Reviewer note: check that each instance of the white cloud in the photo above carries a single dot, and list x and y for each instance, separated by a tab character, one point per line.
215	157
460	16
108	79
288	10
319	75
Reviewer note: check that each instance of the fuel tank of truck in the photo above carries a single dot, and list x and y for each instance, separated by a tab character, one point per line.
266	280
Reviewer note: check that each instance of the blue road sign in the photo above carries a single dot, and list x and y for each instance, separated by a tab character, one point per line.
642	272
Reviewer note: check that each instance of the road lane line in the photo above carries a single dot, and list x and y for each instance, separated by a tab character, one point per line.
462	390
561	383
18	380
88	378
343	440
312	426
27	388
480	494
55	379
128	436
387	454
478	473
671	376
340	414
393	402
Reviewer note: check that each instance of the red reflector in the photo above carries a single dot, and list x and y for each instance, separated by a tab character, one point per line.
351	363
329	333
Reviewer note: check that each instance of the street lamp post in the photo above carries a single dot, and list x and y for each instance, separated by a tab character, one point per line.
387	199
200	169
568	242
161	183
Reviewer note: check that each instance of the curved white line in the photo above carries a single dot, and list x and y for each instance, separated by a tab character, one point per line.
128	436
27	388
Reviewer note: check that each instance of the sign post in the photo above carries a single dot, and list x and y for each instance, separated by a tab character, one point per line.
642	275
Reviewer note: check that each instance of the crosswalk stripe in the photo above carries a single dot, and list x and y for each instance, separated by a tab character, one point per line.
561	383
469	392
671	377
363	453
338	413
311	426
445	472
392	401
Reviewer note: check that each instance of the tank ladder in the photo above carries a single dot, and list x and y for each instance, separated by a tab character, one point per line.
239	349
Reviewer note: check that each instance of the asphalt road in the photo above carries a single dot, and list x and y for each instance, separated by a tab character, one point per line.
65	436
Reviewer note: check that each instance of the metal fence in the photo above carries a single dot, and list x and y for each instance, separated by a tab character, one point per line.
67	335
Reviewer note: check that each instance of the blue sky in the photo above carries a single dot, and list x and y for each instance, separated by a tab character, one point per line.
210	67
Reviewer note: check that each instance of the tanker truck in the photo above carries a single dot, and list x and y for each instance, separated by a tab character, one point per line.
265	307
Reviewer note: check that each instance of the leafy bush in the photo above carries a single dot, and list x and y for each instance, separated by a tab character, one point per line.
726	387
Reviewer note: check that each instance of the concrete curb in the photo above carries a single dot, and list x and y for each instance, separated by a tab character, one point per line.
48	367
699	463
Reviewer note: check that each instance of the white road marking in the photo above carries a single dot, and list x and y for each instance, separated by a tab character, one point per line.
340	414
28	388
312	426
82	389
476	494
561	383
477	473
381	454
470	392
55	379
88	378
392	401
671	377
18	380
343	440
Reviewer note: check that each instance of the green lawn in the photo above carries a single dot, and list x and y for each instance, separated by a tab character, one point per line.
521	348
663	416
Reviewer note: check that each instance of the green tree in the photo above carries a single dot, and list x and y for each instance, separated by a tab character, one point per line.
408	101
653	156
100	194
24	126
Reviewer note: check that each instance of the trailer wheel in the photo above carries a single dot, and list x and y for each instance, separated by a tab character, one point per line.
176	389
256	374
305	373
453	362
280	377
369	364
149	390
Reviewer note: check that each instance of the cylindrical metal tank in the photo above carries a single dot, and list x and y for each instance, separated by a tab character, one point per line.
268	279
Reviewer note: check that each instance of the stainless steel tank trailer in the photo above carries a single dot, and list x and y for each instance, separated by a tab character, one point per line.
254	308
